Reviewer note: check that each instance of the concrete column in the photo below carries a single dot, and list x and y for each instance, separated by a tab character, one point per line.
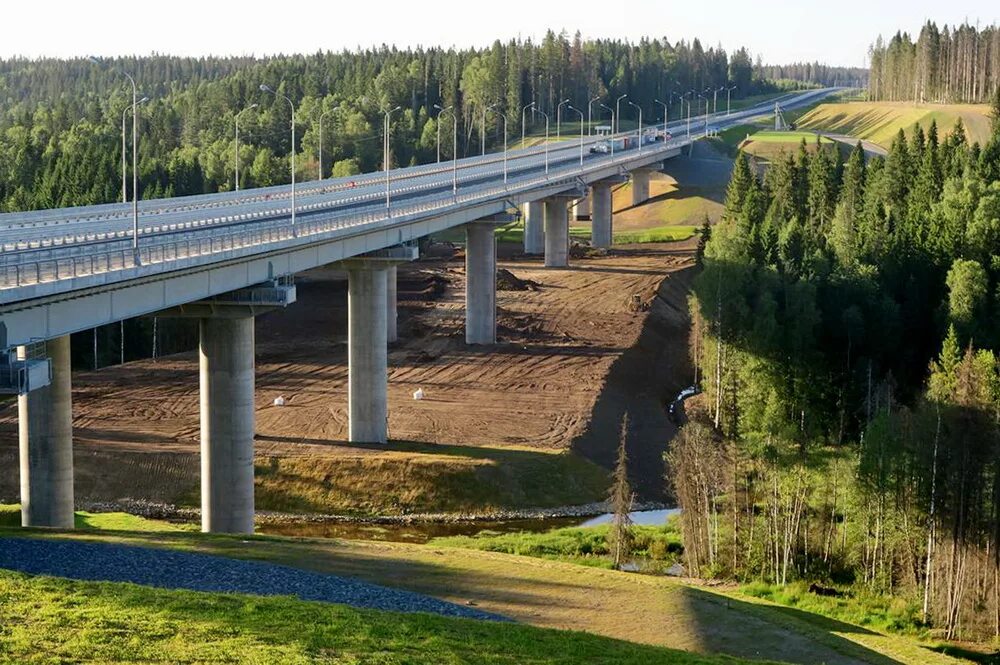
367	373
391	313
556	233
534	229
226	357
45	433
480	284
640	186
600	216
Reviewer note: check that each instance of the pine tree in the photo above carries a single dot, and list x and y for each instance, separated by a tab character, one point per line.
703	237
739	183
621	537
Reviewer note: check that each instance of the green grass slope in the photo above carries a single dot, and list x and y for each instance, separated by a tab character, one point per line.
881	121
47	620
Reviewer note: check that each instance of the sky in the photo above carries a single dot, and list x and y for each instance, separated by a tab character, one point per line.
782	31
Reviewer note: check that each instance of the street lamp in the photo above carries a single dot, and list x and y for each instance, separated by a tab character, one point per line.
546	140
321	115
573	108
559	118
590	124
611	138
618	111
125	113
504	116
482	132
135	160
440	112
706	112
252	106
728	91
664	115
454	145
385	154
639	109
692	93
524	120
268	89
715	99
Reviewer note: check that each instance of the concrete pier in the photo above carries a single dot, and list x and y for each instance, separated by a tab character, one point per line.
534	227
480	283
226	356
45	433
391	312
556	233
640	186
581	208
367	374
600	218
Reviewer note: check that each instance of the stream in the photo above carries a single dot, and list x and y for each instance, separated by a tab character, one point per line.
422	532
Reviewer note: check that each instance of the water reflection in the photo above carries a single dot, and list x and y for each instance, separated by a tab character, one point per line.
421	532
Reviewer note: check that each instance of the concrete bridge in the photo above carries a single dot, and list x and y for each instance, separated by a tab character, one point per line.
224	258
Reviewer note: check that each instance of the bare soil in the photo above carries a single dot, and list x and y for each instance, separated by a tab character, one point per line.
574	355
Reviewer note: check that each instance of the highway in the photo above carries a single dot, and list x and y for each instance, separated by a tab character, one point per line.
43	238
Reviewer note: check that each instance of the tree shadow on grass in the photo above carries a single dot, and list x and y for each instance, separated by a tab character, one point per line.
755	630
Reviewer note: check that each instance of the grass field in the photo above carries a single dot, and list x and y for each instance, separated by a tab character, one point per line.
10	516
641	609
881	121
586	546
49	620
769	144
439	478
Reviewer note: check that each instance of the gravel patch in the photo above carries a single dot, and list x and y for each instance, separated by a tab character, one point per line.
171	569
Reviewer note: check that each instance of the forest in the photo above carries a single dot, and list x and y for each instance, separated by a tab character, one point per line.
60	120
960	64
845	331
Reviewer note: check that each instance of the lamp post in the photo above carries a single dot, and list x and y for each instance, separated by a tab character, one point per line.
504	116
691	93
237	119
482	132
124	168
639	109
664	115
385	155
611	138
135	161
715	99
454	144
706	112
573	108
321	115
440	112
590	124
618	111
524	120
728	91
559	118
546	140
268	89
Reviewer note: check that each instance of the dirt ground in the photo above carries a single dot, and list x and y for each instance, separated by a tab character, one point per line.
574	354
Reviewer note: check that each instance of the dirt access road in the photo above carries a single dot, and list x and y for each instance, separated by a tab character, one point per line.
497	427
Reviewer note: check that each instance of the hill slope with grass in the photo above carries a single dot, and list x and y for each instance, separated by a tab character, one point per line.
881	121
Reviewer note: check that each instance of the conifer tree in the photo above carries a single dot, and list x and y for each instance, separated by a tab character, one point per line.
621	537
